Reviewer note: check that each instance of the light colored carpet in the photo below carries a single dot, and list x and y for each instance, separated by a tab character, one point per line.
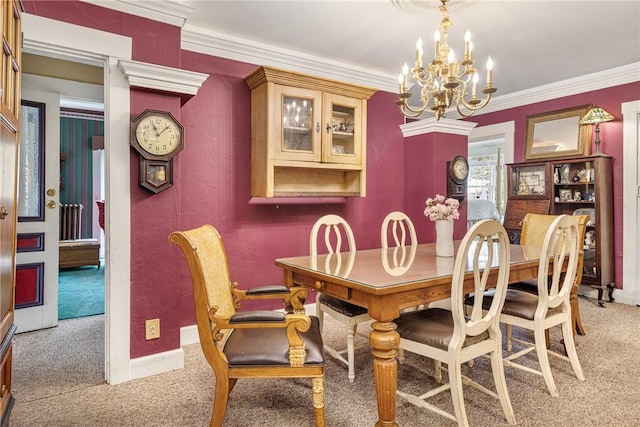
609	355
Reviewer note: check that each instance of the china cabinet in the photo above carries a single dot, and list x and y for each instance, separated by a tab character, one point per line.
308	135
585	186
573	186
10	28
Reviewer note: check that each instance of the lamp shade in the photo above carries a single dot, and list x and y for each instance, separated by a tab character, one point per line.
595	116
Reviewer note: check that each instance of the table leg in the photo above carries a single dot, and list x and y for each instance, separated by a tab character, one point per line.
384	342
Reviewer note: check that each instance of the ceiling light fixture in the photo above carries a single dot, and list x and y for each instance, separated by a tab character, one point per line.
595	116
445	80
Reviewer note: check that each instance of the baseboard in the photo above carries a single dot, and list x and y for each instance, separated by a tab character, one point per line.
156	364
189	335
619	295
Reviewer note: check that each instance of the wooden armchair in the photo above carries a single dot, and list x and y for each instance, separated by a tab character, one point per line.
251	344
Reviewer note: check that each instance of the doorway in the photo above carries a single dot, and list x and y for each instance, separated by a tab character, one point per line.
74	43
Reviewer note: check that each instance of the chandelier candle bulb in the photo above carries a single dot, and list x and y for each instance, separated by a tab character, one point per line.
467	40
419	53
489	70
474	90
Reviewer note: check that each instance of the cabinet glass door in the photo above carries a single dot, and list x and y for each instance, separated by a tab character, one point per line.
296	123
299	130
343	130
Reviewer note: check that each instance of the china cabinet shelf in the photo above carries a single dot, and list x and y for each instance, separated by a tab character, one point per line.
323	157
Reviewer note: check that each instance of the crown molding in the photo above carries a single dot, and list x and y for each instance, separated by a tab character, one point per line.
431	125
158	77
238	49
609	78
165	11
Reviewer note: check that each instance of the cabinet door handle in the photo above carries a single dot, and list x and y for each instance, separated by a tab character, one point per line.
3	212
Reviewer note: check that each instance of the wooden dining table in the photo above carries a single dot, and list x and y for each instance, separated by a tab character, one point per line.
386	281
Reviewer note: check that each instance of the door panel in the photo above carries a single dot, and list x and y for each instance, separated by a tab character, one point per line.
38	213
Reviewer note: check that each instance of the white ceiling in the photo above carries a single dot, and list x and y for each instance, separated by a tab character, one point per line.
533	43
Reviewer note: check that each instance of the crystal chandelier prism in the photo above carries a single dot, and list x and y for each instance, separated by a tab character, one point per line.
445	81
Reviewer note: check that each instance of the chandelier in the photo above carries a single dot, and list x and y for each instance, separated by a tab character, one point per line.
445	80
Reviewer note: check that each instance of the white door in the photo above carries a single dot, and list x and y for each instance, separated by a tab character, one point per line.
38	211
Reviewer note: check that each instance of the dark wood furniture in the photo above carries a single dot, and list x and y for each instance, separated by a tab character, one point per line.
79	253
384	294
10	64
582	185
591	187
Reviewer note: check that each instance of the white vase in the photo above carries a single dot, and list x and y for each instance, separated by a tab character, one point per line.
444	238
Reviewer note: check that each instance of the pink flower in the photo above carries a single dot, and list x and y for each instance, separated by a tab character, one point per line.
440	208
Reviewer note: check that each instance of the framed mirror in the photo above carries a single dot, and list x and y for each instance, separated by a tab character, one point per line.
557	134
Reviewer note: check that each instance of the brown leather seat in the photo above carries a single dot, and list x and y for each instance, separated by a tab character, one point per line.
250	344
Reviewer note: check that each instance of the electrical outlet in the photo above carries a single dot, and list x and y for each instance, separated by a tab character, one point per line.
152	329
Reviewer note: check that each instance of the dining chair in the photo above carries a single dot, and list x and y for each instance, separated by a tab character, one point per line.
398	256
456	336
334	229
248	344
534	228
549	307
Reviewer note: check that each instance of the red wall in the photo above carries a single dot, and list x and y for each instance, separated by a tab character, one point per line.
212	175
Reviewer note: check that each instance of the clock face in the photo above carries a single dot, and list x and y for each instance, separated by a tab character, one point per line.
158	134
459	169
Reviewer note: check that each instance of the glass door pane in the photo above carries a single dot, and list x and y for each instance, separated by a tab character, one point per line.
297	124
342	123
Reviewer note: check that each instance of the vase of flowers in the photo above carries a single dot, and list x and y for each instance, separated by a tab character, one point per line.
443	212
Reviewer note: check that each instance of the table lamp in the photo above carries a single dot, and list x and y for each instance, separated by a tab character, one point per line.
596	116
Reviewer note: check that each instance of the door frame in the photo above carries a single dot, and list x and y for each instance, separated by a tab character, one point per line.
630	293
61	40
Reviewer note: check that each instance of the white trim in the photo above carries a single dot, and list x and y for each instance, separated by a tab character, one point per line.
604	79
505	131
450	126
189	335
156	363
630	293
167	12
72	42
229	47
158	77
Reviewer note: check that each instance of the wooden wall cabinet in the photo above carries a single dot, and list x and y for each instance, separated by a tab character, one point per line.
569	186
308	135
11	30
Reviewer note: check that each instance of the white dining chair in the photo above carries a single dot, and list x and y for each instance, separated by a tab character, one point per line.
398	252
338	261
550	307
454	337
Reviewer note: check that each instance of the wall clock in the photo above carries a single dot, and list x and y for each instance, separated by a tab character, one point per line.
458	171
157	136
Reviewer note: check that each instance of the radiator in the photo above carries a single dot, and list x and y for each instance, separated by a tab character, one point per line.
70	221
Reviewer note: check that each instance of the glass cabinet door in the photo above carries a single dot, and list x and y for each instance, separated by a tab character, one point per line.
343	129
299	116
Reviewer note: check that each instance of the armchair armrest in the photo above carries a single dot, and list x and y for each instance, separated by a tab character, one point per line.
257	316
293	297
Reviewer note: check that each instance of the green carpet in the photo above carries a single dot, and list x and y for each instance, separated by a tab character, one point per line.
80	292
